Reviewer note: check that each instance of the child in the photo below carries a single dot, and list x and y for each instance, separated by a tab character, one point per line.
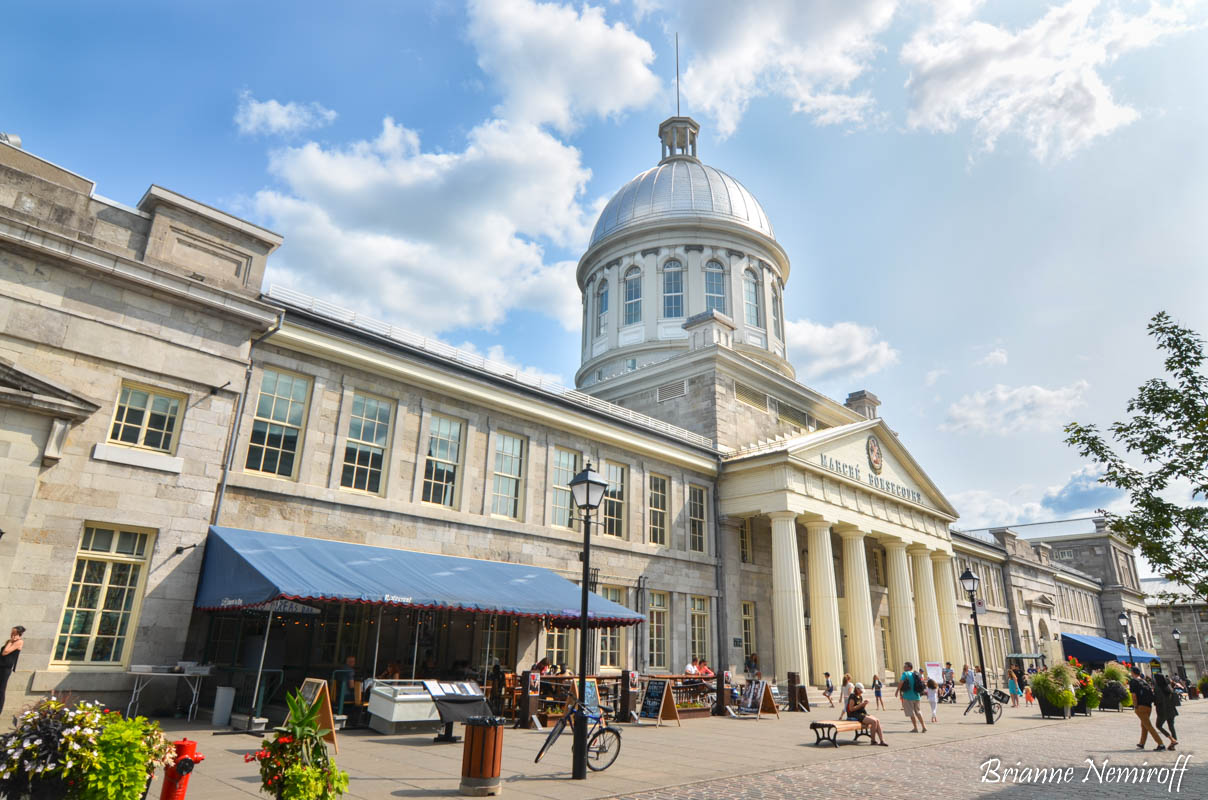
933	697
876	689
1027	695
829	690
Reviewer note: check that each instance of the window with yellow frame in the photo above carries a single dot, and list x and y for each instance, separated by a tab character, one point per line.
147	418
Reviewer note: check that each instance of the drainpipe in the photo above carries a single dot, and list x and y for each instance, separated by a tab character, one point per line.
247	382
719	574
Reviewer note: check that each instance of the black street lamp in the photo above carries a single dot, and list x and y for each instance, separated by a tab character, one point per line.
969	583
1128	639
587	489
1178	637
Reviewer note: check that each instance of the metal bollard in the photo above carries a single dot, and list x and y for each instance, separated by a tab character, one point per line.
176	777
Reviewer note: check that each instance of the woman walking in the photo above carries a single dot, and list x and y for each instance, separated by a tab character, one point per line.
1013	687
8	659
967	679
845	691
876	690
1165	701
1143	700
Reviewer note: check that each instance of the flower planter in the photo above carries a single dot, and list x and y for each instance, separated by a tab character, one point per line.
693	713
1112	704
1048	710
1080	708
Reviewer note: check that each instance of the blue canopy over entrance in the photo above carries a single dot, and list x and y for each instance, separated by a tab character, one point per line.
247	568
1096	649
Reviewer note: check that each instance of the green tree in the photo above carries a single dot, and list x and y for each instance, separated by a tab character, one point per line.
1167	436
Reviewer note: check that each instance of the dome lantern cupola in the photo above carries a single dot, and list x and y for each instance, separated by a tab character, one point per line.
678	135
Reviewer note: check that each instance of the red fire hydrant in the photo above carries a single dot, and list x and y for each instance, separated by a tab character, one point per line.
176	777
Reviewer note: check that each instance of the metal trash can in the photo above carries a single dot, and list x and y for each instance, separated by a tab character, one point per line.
224	701
482	756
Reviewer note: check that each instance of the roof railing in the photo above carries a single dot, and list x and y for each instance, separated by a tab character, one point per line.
435	347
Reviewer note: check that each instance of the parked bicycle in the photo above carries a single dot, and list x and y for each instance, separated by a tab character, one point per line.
984	697
603	741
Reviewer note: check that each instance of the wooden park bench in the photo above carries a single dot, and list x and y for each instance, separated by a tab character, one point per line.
828	731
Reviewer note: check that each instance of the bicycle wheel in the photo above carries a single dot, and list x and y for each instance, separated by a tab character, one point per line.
554	733
603	748
997	709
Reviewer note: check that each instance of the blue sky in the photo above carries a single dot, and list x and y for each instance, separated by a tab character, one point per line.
983	202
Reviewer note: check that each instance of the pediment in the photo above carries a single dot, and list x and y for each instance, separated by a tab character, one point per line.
22	388
868	453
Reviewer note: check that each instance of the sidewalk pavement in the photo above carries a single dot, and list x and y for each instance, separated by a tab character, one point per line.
721	757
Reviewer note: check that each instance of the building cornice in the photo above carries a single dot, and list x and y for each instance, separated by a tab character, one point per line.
49	244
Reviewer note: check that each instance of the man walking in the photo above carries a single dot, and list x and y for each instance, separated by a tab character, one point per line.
912	690
1143	698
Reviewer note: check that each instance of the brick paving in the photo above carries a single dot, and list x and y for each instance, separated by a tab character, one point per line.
724	758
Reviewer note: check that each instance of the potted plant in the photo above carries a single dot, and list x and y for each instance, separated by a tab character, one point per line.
294	764
1086	695
1054	692
80	752
1201	686
1112	683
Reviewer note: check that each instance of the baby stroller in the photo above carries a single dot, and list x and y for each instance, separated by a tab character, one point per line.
947	692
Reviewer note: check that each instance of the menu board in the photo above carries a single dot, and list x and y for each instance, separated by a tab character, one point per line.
313	689
657	703
591	695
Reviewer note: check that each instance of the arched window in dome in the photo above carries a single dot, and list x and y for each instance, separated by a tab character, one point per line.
750	288
777	313
673	290
633	296
715	287
602	308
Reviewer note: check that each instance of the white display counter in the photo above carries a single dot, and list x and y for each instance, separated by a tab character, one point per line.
401	706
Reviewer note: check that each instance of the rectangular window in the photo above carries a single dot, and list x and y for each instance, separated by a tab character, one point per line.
614	500
147	418
509	475
611	645
496	643
715	290
886	655
558	646
748	629
277	426
444	458
673	293
658	510
745	552
698	627
566	466
696	519
365	447
656	622
106	587
633	298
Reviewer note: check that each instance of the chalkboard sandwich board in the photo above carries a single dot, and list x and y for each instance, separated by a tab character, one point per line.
658	703
313	689
757	699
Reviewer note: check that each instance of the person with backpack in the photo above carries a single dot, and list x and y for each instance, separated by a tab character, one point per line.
1165	700
912	689
1143	700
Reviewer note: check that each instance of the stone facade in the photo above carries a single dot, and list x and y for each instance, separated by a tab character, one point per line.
1172	608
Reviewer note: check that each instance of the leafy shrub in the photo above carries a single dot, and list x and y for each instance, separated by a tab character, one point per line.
294	764
1055	686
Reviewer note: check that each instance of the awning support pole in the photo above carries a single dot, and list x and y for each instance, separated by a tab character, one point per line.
486	657
377	643
418	620
254	711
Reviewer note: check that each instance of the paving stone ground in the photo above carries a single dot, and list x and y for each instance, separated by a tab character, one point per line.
716	758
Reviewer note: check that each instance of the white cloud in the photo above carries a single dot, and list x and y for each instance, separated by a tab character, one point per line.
555	64
496	354
995	358
933	375
1042	82
432	241
842	350
269	116
979	508
809	53
1006	410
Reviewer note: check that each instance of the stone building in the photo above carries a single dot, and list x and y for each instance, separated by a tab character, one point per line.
153	389
1174	608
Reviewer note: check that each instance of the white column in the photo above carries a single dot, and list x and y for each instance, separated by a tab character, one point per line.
901	610
945	599
788	605
861	649
824	603
926	614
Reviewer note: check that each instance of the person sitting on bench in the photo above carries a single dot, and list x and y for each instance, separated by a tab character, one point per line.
855	712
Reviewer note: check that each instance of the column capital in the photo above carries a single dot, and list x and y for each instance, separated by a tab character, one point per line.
941	556
893	544
782	515
917	549
851	532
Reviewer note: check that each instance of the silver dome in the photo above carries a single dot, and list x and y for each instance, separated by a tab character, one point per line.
681	187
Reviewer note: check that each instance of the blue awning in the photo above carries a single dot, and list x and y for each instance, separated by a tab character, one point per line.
247	568
1095	649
